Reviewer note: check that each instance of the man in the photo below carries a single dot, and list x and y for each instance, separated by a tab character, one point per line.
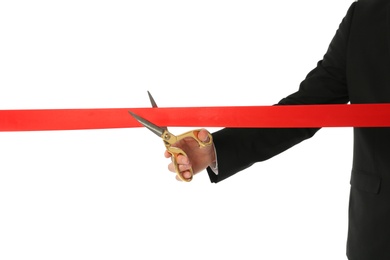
355	69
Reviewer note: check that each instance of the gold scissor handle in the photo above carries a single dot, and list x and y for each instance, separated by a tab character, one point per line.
194	134
175	151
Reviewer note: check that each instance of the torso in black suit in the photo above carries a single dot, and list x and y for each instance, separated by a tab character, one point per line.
356	69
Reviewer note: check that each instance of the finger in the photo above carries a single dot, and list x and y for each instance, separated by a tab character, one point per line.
182	167
203	135
167	154
171	167
186	175
181	159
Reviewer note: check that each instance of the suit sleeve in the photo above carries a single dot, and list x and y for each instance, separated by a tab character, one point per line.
239	148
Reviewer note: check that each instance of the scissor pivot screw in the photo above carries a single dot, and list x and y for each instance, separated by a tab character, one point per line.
167	136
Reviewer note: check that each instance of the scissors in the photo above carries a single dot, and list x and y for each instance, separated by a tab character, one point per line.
169	139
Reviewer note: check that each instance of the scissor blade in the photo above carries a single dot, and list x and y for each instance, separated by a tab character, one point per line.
152	100
152	127
154	104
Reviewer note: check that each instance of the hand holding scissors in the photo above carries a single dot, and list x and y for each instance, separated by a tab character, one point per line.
170	139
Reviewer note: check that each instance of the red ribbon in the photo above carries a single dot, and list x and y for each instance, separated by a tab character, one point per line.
354	115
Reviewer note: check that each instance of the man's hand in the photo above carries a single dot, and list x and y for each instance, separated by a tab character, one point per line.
199	158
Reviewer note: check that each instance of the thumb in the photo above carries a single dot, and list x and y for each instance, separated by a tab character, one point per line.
203	135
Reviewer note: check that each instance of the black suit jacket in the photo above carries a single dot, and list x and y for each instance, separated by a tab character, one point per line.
355	69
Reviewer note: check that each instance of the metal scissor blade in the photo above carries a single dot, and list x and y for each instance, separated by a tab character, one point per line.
152	100
154	105
152	127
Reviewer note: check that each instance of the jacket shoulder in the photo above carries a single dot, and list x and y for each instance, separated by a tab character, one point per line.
372	3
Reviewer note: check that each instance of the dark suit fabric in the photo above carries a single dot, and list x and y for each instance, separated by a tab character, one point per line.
355	69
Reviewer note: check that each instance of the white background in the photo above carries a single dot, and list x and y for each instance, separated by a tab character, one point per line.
107	194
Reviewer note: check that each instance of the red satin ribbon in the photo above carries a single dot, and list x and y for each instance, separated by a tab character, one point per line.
355	115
